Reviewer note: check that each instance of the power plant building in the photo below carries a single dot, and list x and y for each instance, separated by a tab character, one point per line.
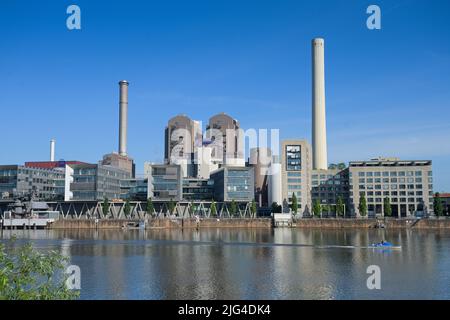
227	139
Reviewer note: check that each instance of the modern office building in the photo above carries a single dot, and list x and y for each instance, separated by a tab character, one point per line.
40	183
407	183
164	181
296	166
227	139
233	183
445	199
195	189
134	189
328	185
93	182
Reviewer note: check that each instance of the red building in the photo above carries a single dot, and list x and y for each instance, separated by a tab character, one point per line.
50	164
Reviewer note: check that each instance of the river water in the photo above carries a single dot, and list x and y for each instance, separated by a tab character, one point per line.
251	263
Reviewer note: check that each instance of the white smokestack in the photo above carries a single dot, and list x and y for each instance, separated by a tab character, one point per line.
52	150
319	129
123	117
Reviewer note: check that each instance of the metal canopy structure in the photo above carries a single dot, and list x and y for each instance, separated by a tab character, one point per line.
137	210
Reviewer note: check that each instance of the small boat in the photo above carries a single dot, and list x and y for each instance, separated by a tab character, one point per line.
384	245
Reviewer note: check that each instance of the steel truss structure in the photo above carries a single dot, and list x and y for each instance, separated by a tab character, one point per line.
116	210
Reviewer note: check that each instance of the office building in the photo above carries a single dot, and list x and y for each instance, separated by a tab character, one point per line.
407	183
164	181
327	186
93	182
296	174
26	182
233	183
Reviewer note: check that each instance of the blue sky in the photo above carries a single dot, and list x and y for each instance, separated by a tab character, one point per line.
387	90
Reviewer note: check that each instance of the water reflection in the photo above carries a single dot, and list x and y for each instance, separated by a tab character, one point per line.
250	263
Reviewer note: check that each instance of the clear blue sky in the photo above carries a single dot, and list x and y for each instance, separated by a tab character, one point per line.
388	91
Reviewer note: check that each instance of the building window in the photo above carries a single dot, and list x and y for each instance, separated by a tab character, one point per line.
293	158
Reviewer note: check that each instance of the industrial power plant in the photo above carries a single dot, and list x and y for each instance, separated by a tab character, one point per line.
207	174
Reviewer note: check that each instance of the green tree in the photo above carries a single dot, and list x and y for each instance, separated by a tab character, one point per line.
317	208
387	207
233	207
437	205
150	207
294	205
105	207
127	208
27	274
253	207
172	205
340	207
213	209
193	208
362	207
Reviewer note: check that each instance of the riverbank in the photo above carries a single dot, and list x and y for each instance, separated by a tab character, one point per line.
164	223
373	223
314	223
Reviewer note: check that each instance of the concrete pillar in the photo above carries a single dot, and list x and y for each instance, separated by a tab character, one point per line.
319	131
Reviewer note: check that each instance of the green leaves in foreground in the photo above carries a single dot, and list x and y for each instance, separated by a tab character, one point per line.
27	274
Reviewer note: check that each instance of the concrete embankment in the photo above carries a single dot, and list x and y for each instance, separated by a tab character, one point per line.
372	223
164	223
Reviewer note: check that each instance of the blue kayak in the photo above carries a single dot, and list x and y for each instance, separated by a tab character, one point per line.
385	244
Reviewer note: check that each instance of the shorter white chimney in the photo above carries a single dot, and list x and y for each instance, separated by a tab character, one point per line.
52	150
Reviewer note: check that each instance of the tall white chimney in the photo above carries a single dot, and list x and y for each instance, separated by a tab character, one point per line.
52	150
123	117
319	128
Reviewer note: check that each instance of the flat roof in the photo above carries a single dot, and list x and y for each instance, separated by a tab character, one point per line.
390	163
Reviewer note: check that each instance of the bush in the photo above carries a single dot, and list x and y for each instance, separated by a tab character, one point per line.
26	274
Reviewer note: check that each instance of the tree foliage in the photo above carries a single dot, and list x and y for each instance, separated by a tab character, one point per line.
150	207
105	207
253	207
387	207
213	209
127	208
233	207
340	207
172	205
294	206
27	274
437	205
362	207
317	208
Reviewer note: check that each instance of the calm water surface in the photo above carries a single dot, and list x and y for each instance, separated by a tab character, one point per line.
251	263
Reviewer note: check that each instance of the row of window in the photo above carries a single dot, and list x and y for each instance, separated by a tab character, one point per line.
393	180
392	174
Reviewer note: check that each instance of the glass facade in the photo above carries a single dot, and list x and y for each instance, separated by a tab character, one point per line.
293	158
42	184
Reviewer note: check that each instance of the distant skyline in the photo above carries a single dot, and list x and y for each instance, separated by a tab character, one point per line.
387	91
